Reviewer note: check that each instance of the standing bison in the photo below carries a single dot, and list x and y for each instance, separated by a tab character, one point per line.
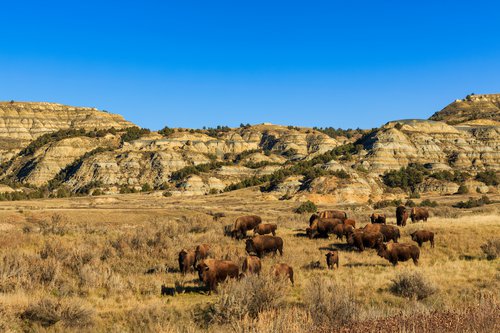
332	259
390	232
378	218
265	228
283	270
251	265
201	252
212	271
243	224
261	245
321	227
187	259
401	216
342	230
365	239
419	214
422	236
328	214
399	252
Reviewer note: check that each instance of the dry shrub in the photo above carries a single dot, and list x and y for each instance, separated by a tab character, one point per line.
152	318
491	248
13	270
57	225
48	312
328	302
247	297
45	272
289	319
412	285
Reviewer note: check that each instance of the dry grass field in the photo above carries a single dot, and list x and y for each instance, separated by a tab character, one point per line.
98	264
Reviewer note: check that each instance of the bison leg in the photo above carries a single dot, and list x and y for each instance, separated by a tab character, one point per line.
274	233
432	243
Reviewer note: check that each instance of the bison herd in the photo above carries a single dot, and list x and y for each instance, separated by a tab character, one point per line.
375	235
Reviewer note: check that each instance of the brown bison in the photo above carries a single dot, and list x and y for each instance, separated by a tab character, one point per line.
243	224
252	265
187	259
265	228
422	236
212	271
390	232
396	252
322	227
350	222
378	218
419	214
401	216
201	252
332	258
264	244
342	230
328	214
283	270
365	239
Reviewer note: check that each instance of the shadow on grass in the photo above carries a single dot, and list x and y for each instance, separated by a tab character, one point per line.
364	264
172	291
338	246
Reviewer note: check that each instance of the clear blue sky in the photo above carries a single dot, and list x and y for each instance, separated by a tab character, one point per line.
195	63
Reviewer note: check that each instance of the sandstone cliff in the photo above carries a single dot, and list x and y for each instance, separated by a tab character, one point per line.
473	107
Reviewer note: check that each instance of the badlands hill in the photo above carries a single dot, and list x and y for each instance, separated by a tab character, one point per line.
54	149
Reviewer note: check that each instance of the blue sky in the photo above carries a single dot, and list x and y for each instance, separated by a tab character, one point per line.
207	63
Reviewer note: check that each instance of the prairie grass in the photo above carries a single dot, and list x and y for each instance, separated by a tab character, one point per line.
98	264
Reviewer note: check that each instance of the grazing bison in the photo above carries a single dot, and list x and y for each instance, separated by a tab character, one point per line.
187	259
390	232
201	252
422	236
399	252
322	227
283	270
378	218
401	216
419	214
212	271
243	224
332	258
365	239
264	244
342	230
265	228
252	265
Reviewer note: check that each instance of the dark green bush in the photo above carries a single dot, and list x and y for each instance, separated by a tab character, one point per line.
166	131
488	177
306	207
462	189
134	133
406	178
428	203
471	203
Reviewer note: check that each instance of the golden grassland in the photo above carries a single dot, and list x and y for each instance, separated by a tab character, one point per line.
80	264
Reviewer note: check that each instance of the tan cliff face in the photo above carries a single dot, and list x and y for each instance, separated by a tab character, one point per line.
245	153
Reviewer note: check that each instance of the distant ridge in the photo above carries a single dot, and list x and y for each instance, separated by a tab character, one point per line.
472	107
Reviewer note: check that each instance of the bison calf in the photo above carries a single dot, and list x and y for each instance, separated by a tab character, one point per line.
187	259
396	252
252	265
378	218
265	228
332	259
283	270
422	236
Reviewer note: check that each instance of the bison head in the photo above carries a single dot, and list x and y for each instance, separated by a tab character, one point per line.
381	250
313	218
201	268
250	247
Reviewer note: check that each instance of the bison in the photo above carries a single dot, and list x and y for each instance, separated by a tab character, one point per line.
322	227
265	228
264	244
350	222
328	214
399	252
212	271
252	265
332	258
201	252
422	236
390	232
419	214
365	239
243	224
401	216
342	230
378	218
283	270
187	259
